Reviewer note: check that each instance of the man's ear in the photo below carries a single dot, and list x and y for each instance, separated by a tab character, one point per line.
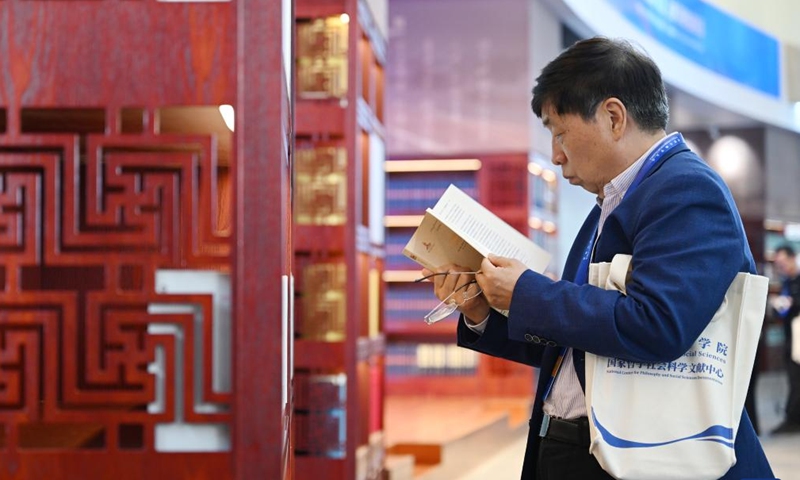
617	116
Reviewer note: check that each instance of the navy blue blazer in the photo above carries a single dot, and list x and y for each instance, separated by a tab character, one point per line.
687	241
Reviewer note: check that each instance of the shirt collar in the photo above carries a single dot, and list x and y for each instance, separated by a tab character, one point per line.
622	182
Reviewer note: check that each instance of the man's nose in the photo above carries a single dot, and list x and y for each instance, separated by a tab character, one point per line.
558	157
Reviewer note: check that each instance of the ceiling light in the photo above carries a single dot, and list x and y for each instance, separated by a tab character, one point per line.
227	114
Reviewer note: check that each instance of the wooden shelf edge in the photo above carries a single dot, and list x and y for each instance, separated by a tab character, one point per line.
402	221
433	165
418	331
318	467
315	238
317	116
478	385
401	276
319	354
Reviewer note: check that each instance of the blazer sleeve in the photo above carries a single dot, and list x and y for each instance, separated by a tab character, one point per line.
495	342
687	243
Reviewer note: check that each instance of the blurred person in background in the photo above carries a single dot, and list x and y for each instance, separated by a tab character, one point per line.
787	307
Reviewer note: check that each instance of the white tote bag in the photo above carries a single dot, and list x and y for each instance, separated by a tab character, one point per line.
795	353
675	420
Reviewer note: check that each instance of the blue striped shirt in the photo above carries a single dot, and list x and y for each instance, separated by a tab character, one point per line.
567	400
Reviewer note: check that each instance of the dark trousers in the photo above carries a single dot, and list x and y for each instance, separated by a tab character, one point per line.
750	399
793	402
563	461
793	373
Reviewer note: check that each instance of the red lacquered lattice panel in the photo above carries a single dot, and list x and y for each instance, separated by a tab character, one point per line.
117	180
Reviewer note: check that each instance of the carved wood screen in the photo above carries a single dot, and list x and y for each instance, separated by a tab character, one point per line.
117	213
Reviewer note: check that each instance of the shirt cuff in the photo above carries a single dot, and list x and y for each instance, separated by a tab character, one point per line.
478	328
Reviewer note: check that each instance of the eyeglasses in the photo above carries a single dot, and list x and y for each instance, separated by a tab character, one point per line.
449	304
422	279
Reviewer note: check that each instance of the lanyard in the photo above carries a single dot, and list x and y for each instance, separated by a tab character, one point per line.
582	274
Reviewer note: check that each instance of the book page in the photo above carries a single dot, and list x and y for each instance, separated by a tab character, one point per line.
460	230
485	231
434	244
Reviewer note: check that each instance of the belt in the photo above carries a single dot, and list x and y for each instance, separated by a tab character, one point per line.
574	432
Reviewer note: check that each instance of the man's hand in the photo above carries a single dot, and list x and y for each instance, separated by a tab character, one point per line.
498	278
475	309
781	303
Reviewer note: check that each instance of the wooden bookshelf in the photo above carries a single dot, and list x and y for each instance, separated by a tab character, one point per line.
339	240
146	165
501	183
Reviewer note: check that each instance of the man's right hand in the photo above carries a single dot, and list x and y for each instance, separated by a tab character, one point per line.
500	275
474	309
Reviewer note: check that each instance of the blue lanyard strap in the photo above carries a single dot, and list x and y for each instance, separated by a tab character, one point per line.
582	273
554	373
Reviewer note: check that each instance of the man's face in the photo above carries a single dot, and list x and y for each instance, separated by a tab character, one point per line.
580	147
784	264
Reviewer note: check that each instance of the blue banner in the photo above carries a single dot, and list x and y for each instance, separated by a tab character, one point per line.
711	38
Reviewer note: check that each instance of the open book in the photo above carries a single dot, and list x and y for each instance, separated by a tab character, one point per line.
460	230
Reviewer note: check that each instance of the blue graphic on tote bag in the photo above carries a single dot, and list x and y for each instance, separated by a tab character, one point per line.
717	433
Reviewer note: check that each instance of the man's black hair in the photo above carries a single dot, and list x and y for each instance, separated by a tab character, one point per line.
593	70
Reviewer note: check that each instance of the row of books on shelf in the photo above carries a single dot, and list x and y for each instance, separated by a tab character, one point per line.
400	318
506	185
320	414
316	391
321	433
413	193
396	240
412	309
409	302
429	359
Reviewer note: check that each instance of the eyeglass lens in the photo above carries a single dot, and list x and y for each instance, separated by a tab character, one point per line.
449	305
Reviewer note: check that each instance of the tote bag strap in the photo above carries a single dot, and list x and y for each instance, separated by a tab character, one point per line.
618	273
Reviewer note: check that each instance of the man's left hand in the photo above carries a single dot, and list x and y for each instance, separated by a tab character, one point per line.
498	277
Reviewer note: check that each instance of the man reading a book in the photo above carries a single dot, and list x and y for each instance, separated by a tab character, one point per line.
605	105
